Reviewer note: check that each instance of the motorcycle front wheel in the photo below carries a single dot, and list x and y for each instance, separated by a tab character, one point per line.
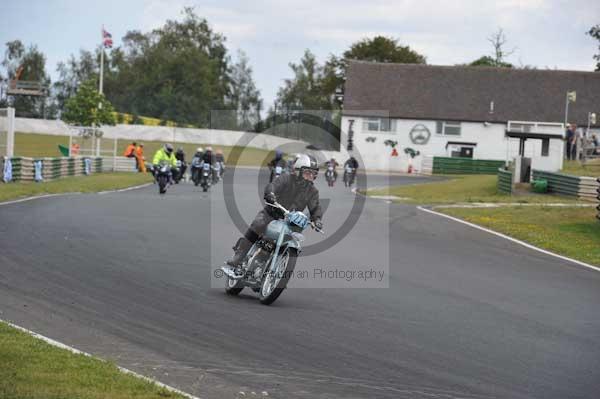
162	184
272	284
233	287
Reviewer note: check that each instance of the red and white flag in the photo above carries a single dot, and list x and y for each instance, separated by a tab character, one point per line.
106	39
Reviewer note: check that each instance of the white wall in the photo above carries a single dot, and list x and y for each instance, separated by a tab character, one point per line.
161	133
491	140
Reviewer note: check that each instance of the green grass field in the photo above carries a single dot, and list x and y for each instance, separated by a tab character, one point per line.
573	232
590	168
462	189
33	369
81	184
42	145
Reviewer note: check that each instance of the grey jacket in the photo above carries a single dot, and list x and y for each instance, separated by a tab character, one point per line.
294	192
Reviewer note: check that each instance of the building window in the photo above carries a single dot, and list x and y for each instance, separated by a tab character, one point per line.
379	125
545	147
447	128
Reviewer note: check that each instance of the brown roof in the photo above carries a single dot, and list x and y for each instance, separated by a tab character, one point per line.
462	93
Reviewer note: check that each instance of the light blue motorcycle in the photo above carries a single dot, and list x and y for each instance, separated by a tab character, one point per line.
270	262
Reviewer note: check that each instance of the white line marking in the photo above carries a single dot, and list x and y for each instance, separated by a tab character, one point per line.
34	198
125	189
78	352
511	239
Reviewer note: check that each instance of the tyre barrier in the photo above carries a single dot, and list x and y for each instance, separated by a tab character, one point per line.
46	169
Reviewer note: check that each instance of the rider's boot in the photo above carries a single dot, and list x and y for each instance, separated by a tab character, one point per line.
241	248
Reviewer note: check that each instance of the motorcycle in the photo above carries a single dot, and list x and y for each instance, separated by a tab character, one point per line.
162	174
349	175
276	172
206	176
196	170
330	176
270	262
216	175
180	170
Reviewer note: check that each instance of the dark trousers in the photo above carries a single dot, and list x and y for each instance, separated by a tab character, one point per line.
568	150
258	226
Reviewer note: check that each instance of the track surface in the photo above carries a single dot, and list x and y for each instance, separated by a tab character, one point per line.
127	276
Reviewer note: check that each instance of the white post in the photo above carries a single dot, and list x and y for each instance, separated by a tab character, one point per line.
70	142
567	108
10	132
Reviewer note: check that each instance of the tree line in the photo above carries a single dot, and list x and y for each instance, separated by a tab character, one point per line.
183	71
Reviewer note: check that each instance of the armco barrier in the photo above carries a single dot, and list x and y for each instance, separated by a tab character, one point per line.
466	166
23	168
598	198
573	186
505	181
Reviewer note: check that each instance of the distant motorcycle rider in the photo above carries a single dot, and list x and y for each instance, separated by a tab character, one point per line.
165	154
208	156
334	164
277	161
220	159
352	162
295	191
180	156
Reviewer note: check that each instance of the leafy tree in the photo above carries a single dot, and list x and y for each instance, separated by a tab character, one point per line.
72	73
245	97
88	107
179	72
595	33
305	90
383	49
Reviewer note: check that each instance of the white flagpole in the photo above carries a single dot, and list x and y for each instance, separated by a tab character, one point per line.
101	61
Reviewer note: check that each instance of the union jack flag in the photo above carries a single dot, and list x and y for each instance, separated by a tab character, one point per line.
106	39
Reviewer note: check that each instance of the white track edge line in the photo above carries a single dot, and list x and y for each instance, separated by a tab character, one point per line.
71	193
523	243
78	352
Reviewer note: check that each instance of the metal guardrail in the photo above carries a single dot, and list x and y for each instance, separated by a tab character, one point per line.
598	198
573	186
452	165
505	178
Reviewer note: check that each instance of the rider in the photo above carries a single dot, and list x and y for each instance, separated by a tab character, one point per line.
352	162
208	156
220	159
165	154
277	161
292	191
333	163
180	156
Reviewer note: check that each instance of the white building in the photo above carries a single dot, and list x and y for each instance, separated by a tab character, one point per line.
473	112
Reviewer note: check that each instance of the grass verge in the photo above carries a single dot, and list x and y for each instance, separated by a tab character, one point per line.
591	168
45	145
31	368
572	232
463	189
82	184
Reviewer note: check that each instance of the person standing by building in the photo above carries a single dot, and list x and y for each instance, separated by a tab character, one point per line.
569	139
574	142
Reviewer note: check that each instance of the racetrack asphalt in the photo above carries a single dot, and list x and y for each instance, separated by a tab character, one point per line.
460	313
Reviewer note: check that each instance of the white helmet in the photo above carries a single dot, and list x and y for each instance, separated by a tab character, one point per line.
209	148
199	149
305	161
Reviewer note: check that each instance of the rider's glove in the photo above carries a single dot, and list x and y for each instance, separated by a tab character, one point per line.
270	198
318	224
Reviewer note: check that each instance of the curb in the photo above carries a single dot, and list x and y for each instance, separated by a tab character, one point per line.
78	352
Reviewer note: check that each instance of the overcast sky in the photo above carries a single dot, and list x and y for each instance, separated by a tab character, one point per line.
545	33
